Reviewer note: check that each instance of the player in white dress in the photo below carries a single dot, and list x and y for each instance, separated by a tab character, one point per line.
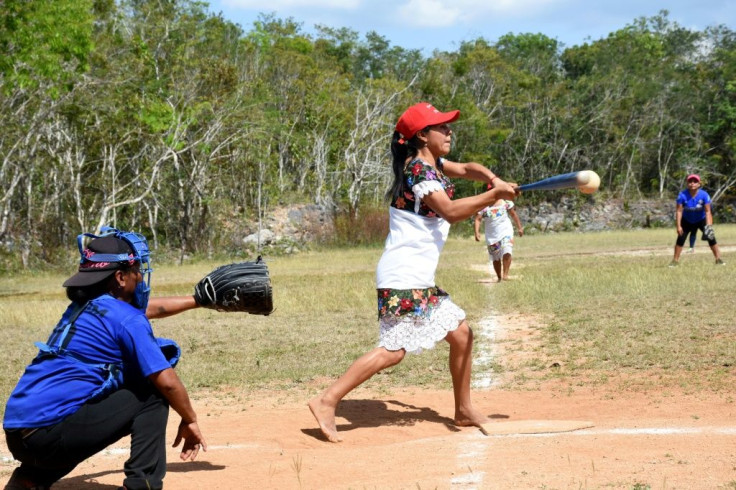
413	312
499	235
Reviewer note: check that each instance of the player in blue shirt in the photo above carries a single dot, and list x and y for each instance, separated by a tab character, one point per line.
102	375
693	213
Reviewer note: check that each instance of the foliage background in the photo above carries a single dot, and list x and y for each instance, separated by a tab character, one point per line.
162	117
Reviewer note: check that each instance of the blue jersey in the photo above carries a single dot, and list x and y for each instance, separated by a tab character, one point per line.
107	332
693	208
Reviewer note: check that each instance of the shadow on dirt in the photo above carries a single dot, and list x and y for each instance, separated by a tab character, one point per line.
87	482
377	413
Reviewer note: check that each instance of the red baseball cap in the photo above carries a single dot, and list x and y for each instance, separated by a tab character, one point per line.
421	115
693	177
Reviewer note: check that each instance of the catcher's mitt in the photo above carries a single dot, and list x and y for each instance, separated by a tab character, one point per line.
708	233
243	286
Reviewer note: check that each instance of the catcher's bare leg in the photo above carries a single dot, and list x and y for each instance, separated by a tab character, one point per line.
461	359
323	407
716	251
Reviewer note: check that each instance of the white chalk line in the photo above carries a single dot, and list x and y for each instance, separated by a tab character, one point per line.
476	448
116	451
482	379
485	353
468	479
638	431
487	330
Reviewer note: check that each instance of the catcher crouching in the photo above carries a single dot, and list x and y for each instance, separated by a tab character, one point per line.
102	375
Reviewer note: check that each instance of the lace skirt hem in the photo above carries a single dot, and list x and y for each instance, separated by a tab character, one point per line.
416	333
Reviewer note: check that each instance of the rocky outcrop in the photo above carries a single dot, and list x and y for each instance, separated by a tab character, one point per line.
290	229
588	214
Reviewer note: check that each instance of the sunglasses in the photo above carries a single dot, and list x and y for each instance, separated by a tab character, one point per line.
441	128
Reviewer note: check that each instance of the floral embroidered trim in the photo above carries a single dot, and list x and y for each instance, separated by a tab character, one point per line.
418	172
416	302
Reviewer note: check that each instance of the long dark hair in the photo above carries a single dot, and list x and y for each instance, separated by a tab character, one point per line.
401	150
82	294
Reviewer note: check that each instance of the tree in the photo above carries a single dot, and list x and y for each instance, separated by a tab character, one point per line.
718	108
633	91
44	43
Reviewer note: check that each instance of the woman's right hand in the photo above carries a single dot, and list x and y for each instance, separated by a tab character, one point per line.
679	230
505	190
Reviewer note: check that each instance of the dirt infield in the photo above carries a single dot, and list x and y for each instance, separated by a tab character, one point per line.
406	441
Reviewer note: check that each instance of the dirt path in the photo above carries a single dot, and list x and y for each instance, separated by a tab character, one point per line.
406	440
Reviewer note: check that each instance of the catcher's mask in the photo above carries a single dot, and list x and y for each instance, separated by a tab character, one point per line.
101	255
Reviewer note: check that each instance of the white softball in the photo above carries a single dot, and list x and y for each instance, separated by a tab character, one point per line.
588	181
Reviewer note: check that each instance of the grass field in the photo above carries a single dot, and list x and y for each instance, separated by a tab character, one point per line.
613	311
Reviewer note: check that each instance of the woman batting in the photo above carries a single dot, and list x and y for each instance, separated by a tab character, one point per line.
413	312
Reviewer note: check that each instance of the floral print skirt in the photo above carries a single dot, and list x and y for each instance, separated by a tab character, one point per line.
415	319
497	250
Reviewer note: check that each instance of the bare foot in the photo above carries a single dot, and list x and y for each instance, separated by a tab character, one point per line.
471	418
325	415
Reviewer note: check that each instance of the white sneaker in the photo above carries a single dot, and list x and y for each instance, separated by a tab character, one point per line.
690	251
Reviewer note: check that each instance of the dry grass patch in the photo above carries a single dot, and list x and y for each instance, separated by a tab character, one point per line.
589	309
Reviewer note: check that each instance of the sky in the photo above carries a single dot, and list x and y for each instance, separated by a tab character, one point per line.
428	25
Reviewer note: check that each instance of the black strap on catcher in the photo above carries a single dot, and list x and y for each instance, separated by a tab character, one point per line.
57	347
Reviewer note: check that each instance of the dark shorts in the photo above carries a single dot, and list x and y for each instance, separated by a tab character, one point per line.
49	453
688	228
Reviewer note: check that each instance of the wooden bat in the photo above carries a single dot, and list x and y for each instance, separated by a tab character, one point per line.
586	181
